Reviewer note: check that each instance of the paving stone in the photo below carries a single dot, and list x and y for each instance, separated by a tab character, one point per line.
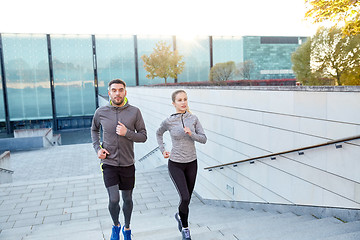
76	209
59	205
83	214
52	212
28	204
22	216
15	233
28	222
57	218
4	218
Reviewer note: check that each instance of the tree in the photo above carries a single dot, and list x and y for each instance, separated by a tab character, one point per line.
244	69
222	71
163	62
344	13
301	63
352	77
333	54
327	56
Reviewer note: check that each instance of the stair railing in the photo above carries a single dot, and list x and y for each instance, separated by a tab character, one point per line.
272	156
6	170
148	154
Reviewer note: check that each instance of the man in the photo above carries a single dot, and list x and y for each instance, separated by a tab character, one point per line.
122	125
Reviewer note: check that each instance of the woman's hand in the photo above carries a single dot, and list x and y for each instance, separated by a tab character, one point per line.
166	154
187	131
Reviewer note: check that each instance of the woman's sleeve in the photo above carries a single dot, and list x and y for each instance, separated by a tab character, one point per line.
199	134
159	135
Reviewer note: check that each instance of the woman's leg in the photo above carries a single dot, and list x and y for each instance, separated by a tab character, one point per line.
190	175
184	181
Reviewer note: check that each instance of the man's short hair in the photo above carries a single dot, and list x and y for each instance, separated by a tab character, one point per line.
119	81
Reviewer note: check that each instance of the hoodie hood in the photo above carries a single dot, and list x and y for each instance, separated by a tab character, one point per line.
122	107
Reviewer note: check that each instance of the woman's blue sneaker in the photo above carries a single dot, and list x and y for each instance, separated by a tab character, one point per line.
115	233
177	217
127	234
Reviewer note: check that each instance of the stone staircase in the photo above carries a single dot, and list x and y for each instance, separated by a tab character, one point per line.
220	223
155	202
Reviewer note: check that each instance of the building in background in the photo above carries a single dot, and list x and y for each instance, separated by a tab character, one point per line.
55	80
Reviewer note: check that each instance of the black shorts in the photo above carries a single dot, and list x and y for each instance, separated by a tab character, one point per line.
122	176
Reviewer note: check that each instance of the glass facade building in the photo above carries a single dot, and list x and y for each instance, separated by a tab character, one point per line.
55	80
196	57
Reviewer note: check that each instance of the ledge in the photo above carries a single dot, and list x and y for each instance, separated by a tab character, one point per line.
267	88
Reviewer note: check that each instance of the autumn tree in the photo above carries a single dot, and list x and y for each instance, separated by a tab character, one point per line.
333	55
222	71
327	57
352	77
244	69
301	63
344	13
163	62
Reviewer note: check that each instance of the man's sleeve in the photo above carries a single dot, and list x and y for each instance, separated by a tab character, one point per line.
95	132
140	134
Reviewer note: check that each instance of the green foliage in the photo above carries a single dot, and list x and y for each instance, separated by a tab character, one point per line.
352	77
222	71
163	62
244	69
328	58
301	63
344	13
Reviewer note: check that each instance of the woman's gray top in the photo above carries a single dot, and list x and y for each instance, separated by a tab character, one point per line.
183	145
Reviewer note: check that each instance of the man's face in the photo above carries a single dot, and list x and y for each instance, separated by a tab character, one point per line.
117	94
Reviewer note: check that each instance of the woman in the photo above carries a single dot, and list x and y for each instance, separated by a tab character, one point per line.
184	129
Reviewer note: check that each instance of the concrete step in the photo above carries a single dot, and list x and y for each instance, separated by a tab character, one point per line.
344	236
324	231
90	230
303	230
267	222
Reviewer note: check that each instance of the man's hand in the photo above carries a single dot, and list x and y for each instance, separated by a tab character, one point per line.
102	153
121	129
166	154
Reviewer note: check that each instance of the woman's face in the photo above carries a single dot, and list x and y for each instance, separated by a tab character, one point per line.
181	103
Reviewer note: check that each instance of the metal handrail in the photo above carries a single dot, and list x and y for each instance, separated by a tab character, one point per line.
6	170
273	155
46	137
148	154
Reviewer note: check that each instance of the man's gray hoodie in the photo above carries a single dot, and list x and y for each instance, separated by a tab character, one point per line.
121	148
183	145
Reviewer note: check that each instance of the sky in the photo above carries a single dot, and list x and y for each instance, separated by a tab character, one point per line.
187	18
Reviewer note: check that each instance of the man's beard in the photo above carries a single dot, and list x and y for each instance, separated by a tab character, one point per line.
118	103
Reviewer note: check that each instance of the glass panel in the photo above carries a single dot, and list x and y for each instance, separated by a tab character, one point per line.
73	75
27	76
146	45
115	59
197	59
2	106
227	49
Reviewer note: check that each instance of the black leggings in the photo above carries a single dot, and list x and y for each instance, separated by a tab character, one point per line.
114	207
183	175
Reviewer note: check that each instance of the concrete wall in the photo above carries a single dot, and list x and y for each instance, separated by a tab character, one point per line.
29	139
246	122
21	144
